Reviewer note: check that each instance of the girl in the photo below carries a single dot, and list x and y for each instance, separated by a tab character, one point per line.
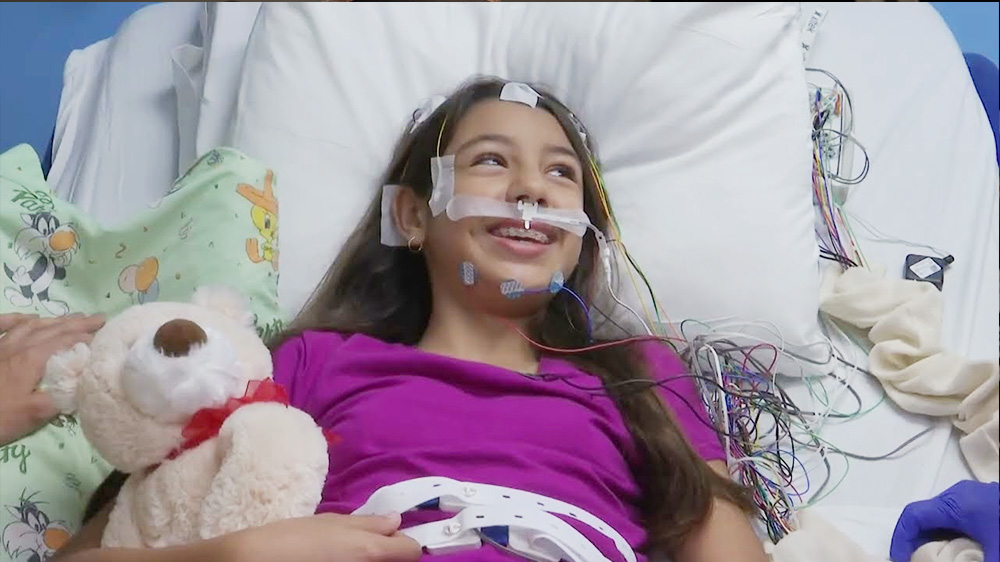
424	371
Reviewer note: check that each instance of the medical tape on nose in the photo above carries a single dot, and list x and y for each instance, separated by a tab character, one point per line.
458	207
464	206
454	496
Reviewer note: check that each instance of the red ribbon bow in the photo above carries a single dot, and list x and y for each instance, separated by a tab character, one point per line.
206	422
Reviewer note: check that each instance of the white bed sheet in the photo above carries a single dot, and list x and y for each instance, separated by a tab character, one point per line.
115	148
933	181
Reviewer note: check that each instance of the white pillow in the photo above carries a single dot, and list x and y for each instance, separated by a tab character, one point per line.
207	77
699	111
226	30
115	147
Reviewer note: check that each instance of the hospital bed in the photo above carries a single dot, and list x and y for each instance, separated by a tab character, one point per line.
932	170
932	181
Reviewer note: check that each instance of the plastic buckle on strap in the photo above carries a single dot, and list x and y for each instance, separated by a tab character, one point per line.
533	534
528	212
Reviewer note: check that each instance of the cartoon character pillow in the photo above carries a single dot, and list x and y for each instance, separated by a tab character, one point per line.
218	224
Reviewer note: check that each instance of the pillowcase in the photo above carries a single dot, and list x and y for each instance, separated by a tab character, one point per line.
116	146
699	110
226	30
217	225
207	76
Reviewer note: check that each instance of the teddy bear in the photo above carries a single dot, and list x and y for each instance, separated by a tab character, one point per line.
179	396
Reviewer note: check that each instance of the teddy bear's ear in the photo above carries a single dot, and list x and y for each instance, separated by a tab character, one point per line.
62	376
225	301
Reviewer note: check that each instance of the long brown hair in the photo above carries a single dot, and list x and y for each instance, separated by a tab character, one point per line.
385	292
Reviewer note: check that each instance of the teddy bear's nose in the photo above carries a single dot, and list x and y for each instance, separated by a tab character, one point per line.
176	337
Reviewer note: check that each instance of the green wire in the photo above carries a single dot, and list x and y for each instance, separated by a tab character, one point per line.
628	256
869	410
649	288
825	399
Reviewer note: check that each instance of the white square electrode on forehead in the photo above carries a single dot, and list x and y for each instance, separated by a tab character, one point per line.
695	157
520	93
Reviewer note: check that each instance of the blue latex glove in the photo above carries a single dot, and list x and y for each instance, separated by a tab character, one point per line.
969	508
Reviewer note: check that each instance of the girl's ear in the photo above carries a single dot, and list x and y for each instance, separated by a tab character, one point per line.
411	214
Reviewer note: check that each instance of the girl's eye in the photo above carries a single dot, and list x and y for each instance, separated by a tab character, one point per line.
488	160
563	172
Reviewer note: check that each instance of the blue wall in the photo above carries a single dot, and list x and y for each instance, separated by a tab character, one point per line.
35	39
975	25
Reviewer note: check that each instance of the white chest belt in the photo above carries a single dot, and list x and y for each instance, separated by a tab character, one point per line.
533	532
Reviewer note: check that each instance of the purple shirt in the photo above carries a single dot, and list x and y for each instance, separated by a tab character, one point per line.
404	413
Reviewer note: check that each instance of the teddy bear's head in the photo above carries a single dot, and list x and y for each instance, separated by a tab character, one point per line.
150	368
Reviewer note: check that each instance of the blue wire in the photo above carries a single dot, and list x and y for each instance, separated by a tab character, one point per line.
795	460
586	311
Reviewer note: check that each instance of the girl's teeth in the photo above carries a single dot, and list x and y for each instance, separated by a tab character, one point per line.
521	233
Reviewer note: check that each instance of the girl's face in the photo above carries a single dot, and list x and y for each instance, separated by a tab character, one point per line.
509	152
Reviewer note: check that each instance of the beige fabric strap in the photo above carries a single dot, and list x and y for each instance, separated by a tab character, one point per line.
903	319
818	541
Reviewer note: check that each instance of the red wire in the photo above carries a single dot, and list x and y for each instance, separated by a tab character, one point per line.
747	354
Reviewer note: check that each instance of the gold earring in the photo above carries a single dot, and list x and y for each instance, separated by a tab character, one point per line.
409	246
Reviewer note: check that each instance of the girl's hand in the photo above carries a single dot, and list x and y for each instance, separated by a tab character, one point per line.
326	537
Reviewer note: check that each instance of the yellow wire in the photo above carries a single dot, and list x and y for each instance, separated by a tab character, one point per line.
862	260
828	209
441	134
638	292
602	195
618	243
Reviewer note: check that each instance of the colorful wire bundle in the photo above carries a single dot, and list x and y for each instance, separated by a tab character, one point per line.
836	239
652	328
764	431
767	433
741	401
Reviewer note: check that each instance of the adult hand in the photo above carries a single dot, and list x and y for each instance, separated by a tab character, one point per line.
327	537
968	508
26	343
